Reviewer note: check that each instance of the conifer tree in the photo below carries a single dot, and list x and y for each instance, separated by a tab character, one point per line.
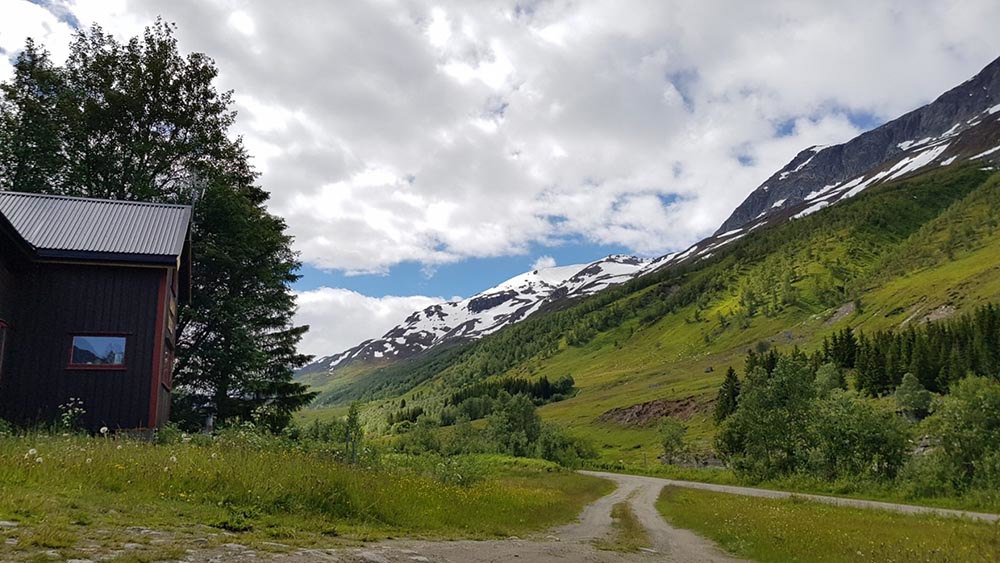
728	397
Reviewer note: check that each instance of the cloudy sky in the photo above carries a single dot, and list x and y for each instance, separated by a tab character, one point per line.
421	150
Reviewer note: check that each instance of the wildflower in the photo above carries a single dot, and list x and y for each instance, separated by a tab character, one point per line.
32	451
89	460
38	460
119	447
104	430
173	458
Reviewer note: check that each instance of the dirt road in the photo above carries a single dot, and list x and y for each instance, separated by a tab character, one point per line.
569	543
859	503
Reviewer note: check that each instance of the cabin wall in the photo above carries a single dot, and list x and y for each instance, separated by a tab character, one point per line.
8	263
67	299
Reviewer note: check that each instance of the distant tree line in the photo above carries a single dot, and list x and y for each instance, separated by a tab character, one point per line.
541	391
937	353
513	427
479	400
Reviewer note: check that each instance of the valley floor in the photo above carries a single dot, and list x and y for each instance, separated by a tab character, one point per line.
753	523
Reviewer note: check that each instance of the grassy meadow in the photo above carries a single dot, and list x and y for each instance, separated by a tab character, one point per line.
800	530
71	495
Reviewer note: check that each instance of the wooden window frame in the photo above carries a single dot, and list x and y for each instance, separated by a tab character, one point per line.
88	367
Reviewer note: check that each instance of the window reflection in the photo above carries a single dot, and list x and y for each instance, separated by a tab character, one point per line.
98	351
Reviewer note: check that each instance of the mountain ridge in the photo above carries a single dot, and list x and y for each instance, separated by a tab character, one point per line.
487	311
925	135
963	124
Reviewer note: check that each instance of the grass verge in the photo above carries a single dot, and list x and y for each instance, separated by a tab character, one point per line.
800	530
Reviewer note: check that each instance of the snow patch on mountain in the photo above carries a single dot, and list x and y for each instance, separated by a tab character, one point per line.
493	309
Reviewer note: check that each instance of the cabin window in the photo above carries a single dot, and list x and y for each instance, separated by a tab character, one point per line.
97	351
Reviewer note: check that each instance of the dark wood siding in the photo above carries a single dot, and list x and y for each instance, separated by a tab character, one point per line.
9	261
67	299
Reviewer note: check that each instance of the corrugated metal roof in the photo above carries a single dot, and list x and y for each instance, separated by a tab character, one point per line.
60	223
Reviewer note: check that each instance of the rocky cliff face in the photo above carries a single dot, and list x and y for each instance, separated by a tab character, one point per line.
960	125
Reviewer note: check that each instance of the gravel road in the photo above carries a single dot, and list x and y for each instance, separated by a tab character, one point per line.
859	503
569	543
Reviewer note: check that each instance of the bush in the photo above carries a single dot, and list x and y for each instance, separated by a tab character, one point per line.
912	399
671	434
514	426
421	438
851	437
768	433
555	445
966	428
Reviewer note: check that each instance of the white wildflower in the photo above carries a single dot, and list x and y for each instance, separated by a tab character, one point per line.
173	458
32	451
38	460
104	430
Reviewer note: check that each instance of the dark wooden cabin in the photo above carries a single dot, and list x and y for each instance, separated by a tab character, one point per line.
89	291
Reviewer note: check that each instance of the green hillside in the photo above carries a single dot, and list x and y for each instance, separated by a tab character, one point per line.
904	252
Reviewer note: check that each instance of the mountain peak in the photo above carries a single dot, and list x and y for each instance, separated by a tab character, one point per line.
960	124
488	311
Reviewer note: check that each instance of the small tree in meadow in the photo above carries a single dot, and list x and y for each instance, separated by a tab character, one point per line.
671	433
353	433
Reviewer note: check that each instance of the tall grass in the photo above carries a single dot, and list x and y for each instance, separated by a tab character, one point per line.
64	485
799	530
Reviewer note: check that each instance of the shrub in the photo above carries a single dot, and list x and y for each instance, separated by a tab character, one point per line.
851	437
768	433
514	426
966	428
912	399
555	445
671	433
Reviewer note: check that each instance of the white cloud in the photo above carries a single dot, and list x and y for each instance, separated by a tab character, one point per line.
341	318
431	132
21	20
406	130
544	262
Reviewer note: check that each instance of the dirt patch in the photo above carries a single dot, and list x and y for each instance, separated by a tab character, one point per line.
942	312
645	414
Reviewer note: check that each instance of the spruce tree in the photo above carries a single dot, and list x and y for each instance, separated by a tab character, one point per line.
728	397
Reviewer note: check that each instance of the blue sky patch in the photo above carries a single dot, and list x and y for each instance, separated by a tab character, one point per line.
61	12
464	278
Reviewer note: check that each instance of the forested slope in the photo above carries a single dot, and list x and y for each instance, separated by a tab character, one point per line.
901	253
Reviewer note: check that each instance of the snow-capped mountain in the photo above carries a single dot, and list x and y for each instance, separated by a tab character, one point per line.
490	310
962	124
